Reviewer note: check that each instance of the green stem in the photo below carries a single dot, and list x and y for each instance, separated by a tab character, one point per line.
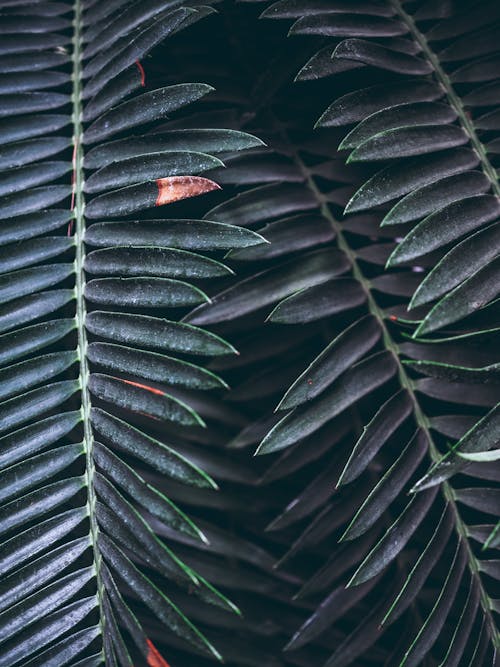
406	383
79	208
453	98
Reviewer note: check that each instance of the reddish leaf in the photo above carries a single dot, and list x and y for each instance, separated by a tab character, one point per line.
175	188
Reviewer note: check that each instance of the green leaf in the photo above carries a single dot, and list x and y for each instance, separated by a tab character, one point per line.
344	350
475	292
395	538
387	488
304	420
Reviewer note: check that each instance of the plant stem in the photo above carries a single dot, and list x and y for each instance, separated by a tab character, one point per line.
407	384
79	208
453	98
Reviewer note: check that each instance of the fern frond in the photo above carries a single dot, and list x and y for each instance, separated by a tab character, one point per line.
94	356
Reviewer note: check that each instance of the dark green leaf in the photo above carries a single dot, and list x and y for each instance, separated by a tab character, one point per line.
409	141
360	380
372	54
395	538
474	293
432	197
394	181
375	434
446	225
388	487
356	106
344	350
313	303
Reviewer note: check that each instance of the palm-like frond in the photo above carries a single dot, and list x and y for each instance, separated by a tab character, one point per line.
369	407
368	365
94	356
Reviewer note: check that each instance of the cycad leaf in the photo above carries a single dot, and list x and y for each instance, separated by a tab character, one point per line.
304	420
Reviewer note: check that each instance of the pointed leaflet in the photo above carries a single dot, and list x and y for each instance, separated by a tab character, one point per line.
270	286
156	333
388	487
199	140
432	197
160	605
356	106
286	236
395	538
344	350
333	607
420	113
409	141
143	292
124	23
375	55
147	167
113	92
150	194
360	380
375	434
313	303
291	9
322	65
459	263
126	51
393	181
143	493
448	224
346	25
418	574
259	204
463	629
157	261
159	456
474	293
482	499
486	375
144	109
152	366
434	622
184	234
142	399
124	517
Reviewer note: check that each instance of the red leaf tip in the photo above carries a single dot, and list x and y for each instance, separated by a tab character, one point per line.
175	188
146	387
141	72
154	657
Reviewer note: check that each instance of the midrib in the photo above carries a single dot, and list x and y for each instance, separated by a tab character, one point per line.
79	230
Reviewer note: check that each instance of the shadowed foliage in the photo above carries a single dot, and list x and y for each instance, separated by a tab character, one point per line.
217	241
